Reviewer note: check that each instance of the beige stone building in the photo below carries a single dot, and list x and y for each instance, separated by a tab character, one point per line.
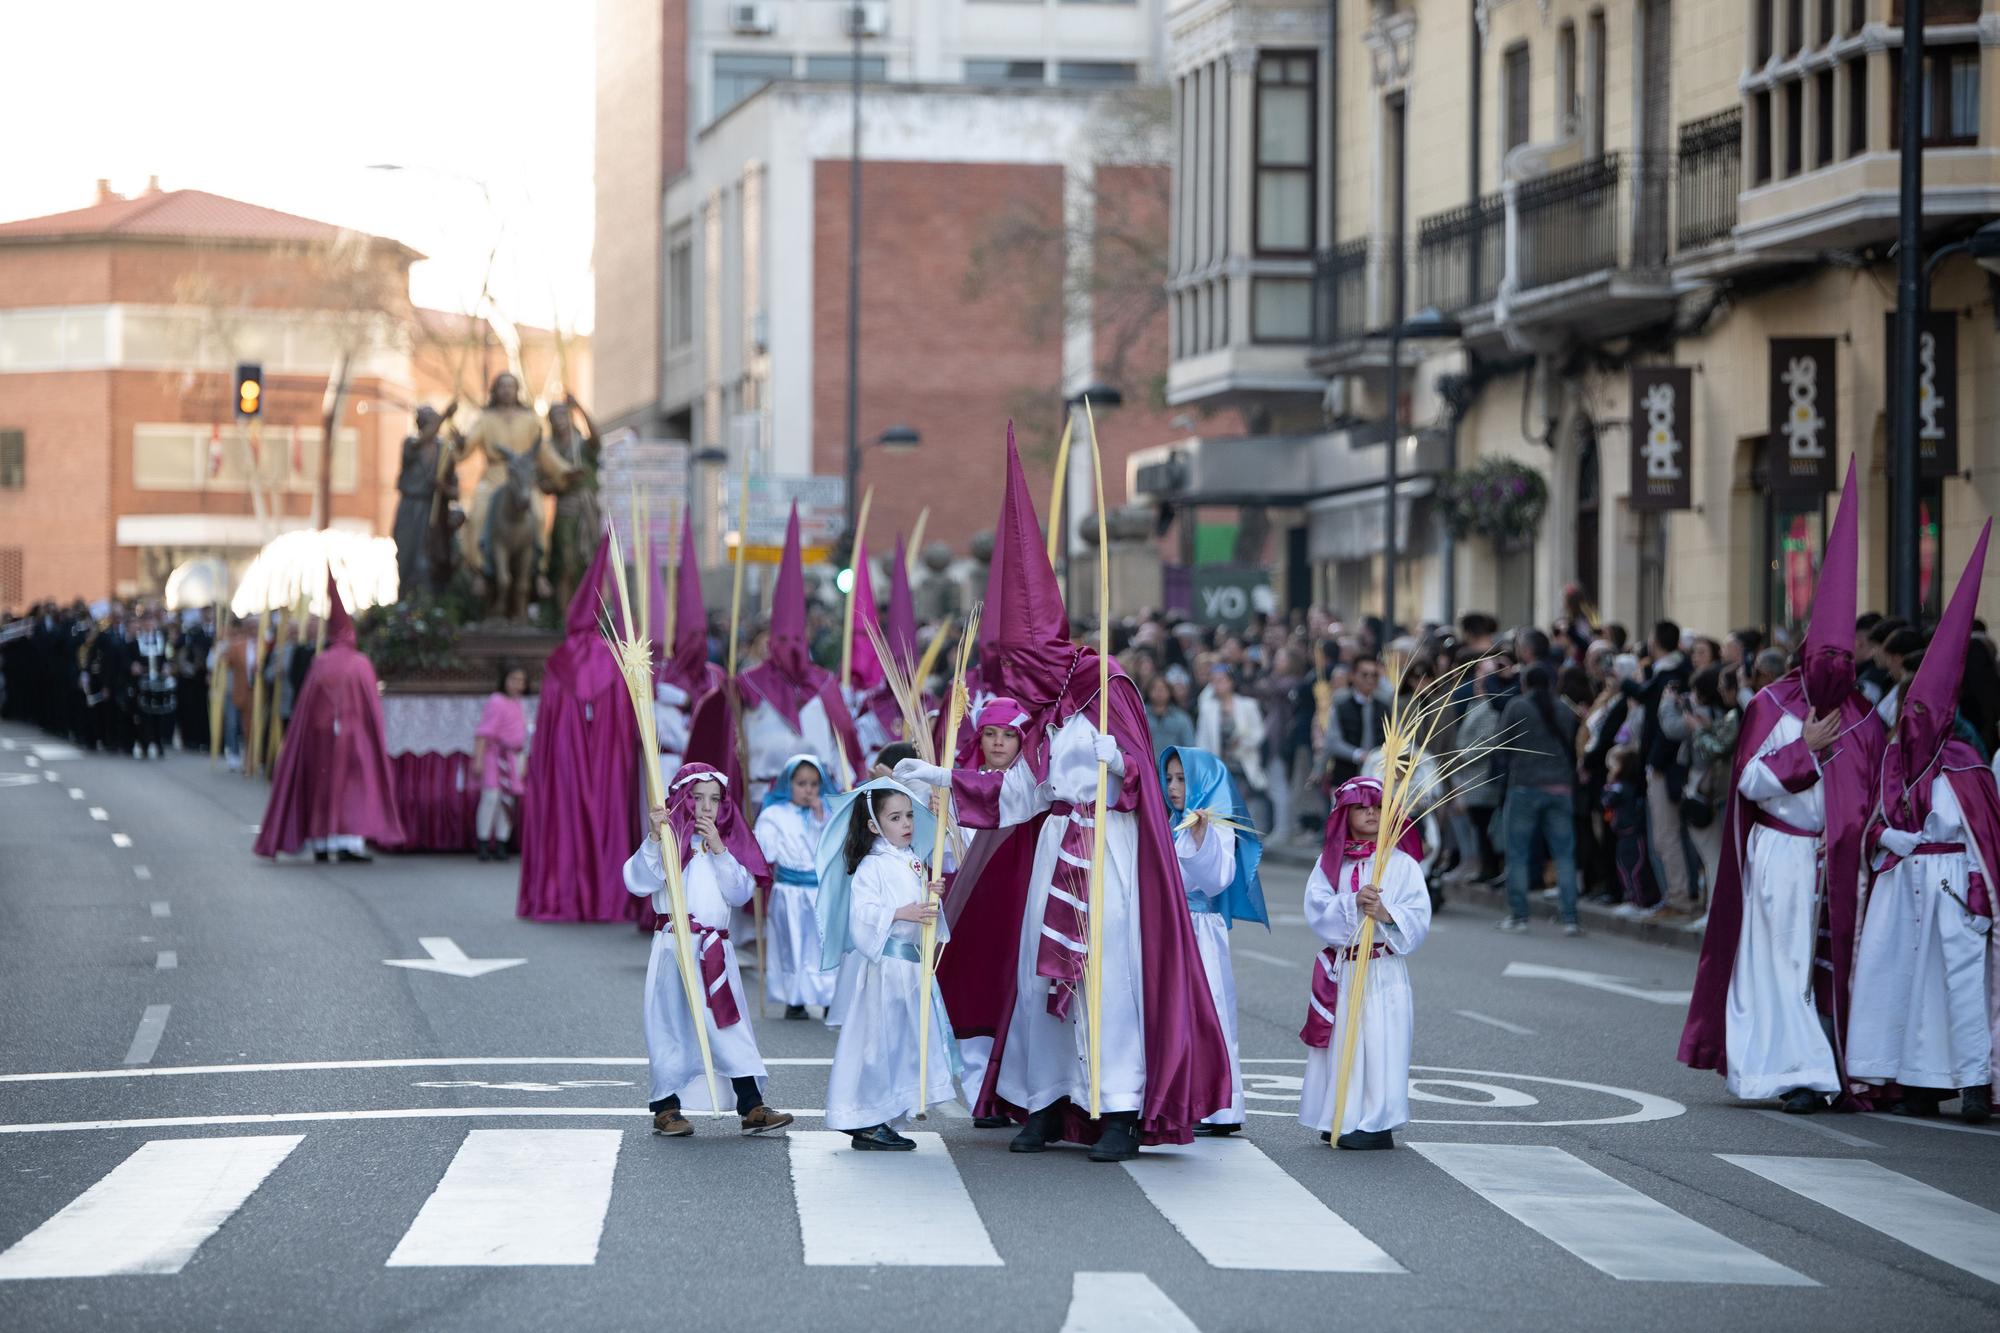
1589	186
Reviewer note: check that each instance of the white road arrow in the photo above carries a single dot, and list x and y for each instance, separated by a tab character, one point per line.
1595	981
448	958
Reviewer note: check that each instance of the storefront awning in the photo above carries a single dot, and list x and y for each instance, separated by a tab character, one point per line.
1349	527
1275	469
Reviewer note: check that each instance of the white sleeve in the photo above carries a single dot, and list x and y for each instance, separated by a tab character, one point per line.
1409	904
671	725
1210	868
1021	796
645	873
768	834
732	881
1331	915
871	911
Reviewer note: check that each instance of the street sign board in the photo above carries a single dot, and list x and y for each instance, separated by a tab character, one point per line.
822	503
658	469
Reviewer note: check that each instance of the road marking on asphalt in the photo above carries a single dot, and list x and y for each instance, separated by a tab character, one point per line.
55	752
1272	959
1602	1221
852	1212
1941	1225
166	961
398	1113
1919	1122
17	779
152	1025
32	762
1239	1209
162	909
516	1196
421	1062
1491	1021
448	958
142	872
1826	1131
1122	1303
152	1211
1597	981
76	793
99	813
120	840
50	775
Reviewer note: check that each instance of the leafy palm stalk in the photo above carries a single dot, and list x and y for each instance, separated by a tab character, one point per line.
1093	967
635	663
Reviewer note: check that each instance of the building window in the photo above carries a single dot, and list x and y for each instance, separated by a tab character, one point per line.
680	289
874	69
1568	109
1593	63
739	75
1950	100
1760	138
1795	128
13	460
1285	139
1823	117
13	577
1096	72
1765	43
1795	25
1281	310
1514	97
1006	71
1857	107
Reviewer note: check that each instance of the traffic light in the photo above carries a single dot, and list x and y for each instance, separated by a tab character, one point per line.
249	389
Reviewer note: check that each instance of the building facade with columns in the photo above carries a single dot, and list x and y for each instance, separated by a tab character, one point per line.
1690	201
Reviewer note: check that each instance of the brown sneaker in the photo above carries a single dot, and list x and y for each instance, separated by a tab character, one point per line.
672	1124
763	1120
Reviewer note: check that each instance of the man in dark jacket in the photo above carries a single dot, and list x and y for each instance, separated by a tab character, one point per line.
1664	776
1359	714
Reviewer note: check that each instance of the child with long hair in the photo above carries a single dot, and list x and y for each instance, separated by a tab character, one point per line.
877	895
788	832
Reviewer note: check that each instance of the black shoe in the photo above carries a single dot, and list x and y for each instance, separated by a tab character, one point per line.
355	858
1120	1140
321	857
1215	1131
795	1011
1917	1103
992	1122
1975	1105
1800	1101
1364	1140
882	1139
1043	1128
485	852
1325	1137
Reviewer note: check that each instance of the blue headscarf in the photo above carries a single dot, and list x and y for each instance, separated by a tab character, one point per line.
835	883
1209	787
780	790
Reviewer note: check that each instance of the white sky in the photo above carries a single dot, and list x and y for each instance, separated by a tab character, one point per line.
285	103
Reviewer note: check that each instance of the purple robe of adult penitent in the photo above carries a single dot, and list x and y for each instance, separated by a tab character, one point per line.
581	817
333	777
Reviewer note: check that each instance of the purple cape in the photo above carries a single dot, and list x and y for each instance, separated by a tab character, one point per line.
580	817
1848	778
333	774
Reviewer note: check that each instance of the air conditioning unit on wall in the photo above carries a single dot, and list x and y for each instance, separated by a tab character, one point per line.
755	20
870	19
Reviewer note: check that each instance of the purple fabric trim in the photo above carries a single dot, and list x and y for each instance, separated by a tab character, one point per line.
1792	765
975	795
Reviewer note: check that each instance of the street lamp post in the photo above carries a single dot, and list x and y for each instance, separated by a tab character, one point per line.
1909	319
1077	479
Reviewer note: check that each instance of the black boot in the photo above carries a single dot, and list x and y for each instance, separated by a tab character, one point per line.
1120	1140
796	1011
882	1139
992	1122
1917	1103
1206	1131
485	850
1801	1101
1975	1105
1043	1128
1362	1140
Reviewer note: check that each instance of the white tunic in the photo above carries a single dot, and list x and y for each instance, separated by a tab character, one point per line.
671	722
1920	1013
1207	871
771	741
1021	799
714	883
1047	1058
1775	1040
789	836
874	1075
1378	1086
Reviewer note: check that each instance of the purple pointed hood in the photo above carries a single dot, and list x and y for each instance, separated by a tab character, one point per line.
866	671
1924	720
789	648
1826	663
902	627
1024	632
686	663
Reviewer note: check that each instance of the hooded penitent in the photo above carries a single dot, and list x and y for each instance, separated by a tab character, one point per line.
1028	657
580	818
788	678
1848	776
333	775
865	672
1210	788
685	663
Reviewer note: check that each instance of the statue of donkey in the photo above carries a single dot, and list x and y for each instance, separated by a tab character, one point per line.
513	541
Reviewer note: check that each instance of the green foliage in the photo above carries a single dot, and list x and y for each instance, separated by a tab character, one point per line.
1498	499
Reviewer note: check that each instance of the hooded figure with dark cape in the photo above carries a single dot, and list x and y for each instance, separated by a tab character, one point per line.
333	789
580	819
1922	972
1770	1004
1020	903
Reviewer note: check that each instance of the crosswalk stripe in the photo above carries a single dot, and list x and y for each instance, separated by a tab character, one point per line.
1122	1303
152	1211
1601	1220
513	1197
1239	1209
906	1208
1942	1225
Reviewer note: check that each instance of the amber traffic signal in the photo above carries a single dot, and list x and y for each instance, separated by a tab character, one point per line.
249	389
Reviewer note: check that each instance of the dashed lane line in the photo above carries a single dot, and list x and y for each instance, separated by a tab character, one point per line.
152	1026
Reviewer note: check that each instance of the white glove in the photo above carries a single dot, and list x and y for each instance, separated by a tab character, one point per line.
672	695
916	770
1110	755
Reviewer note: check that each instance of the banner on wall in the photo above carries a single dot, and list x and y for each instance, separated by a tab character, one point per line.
1662	437
1937	390
1804	420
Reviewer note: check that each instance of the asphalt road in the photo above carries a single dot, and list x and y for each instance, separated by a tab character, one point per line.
219	1108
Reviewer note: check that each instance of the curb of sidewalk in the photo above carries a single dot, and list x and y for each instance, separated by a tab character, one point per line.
1476	899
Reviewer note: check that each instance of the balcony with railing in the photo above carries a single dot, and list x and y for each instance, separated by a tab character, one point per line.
1707	179
1340	293
1462	255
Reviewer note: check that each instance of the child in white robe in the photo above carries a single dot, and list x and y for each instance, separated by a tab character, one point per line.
671	722
1219	870
1338	894
788	831
715	878
879	895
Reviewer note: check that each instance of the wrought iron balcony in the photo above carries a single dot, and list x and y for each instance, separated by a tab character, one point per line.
1462	255
1340	293
1609	213
1709	178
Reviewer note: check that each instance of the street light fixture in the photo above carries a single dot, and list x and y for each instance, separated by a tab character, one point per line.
1428	324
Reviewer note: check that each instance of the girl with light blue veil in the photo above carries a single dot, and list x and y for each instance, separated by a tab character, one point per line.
876	894
788	830
1219	851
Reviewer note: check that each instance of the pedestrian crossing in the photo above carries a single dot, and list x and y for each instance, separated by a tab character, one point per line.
540	1197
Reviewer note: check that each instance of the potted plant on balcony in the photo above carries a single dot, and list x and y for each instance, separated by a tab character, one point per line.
1496	498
